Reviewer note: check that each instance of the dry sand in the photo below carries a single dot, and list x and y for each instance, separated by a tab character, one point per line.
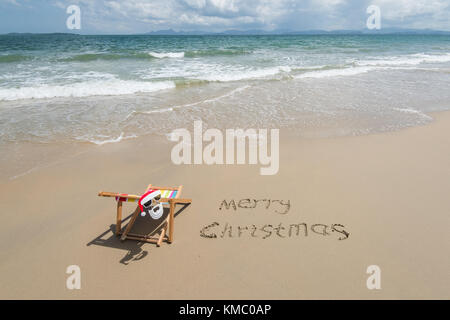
390	191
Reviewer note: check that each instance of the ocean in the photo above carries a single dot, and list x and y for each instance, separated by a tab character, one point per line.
104	89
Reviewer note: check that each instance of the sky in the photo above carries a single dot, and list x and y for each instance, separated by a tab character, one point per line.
141	16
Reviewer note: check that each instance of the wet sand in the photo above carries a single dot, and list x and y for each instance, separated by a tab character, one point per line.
389	191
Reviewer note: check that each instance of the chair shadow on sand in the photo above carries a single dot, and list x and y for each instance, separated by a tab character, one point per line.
144	225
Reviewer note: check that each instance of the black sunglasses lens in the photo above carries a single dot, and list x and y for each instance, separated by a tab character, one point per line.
147	204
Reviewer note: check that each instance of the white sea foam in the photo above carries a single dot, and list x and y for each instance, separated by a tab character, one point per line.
246	74
435	58
167	55
334	73
226	95
163	110
102	142
414	59
413	111
84	89
99	142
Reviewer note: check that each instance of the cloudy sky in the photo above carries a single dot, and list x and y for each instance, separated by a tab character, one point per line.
139	16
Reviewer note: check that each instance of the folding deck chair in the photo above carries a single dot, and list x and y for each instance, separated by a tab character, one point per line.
170	196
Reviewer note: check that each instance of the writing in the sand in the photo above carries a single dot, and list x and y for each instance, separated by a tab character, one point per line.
280	230
277	206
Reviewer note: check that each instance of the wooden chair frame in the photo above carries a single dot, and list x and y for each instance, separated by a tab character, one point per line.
167	224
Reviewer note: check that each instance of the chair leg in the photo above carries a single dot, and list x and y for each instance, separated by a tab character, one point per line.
130	224
171	218
119	218
161	236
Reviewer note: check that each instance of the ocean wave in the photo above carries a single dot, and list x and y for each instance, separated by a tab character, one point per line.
107	139
246	74
13	58
193	104
226	95
84	89
167	55
216	52
351	71
134	112
223	96
414	111
309	68
88	57
163	110
414	59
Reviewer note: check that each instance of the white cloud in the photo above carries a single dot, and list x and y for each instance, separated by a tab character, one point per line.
401	9
14	2
217	15
416	13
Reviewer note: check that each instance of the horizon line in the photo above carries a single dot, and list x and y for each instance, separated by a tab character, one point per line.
169	32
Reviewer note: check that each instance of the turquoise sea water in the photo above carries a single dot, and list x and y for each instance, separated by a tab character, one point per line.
108	88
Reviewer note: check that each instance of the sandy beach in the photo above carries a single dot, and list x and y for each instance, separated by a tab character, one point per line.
388	191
